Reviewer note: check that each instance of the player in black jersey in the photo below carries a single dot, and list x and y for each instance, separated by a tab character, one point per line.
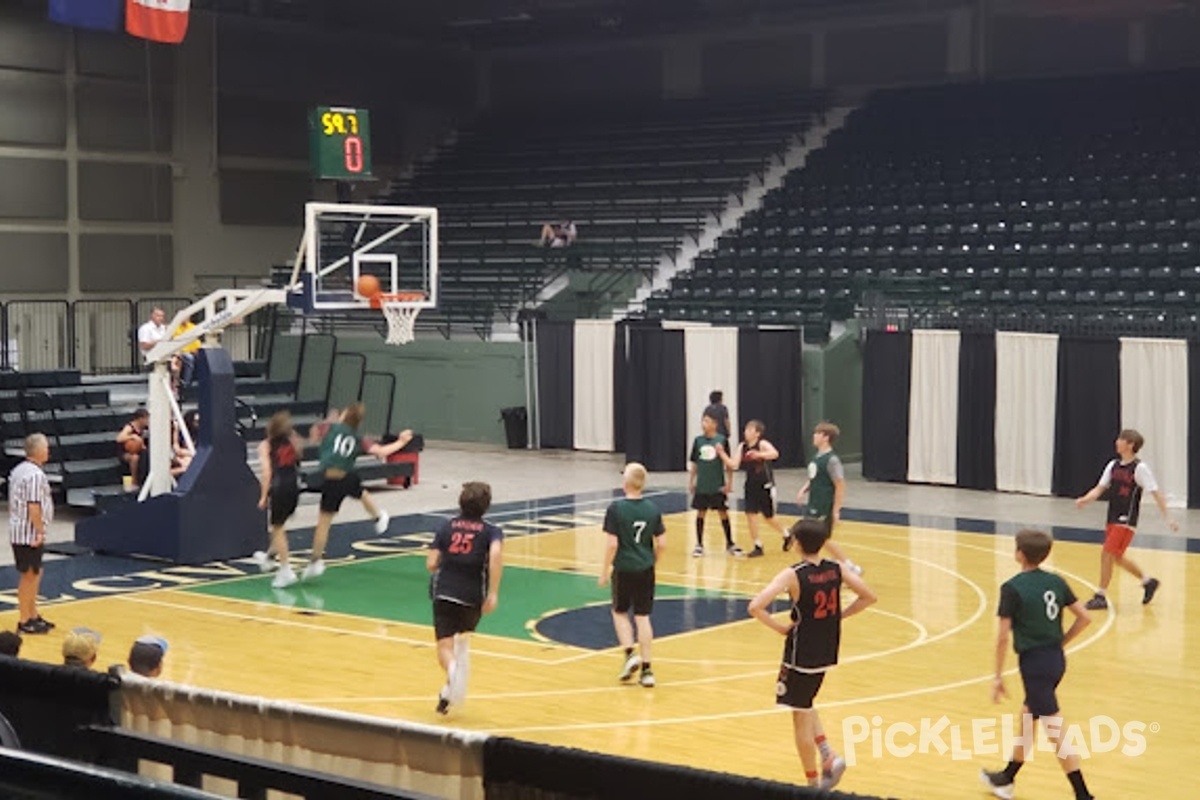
466	559
755	454
279	459
1125	478
813	634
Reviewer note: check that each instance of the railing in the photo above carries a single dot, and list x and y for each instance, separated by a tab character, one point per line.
254	777
99	337
37	777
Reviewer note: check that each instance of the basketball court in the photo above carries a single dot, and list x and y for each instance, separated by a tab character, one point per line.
544	665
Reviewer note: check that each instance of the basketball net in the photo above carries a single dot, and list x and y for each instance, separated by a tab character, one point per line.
401	315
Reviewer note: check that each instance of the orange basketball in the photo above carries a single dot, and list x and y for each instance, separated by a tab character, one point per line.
134	445
368	285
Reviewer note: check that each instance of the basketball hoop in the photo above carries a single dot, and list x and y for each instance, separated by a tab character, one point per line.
401	312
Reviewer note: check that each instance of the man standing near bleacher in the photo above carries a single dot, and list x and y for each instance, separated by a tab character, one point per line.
30	509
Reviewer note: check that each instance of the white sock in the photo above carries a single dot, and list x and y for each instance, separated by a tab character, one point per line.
1146	580
1100	592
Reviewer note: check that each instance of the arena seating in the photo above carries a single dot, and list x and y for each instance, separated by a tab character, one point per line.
1027	204
635	179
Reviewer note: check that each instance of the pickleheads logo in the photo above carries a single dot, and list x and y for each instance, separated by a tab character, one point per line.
991	736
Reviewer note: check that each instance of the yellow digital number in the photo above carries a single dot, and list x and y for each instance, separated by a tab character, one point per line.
334	123
353	119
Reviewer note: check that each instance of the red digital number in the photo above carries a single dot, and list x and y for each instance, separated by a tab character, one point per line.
461	542
353	148
827	603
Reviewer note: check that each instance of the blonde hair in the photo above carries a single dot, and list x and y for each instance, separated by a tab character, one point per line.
635	476
353	415
79	647
35	442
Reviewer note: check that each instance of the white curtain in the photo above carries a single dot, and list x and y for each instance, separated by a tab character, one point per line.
933	408
1026	395
711	359
1154	401
594	340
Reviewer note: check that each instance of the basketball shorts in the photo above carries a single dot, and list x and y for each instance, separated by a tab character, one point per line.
1117	538
812	513
27	558
333	492
705	502
283	501
797	689
1042	670
760	500
450	618
633	590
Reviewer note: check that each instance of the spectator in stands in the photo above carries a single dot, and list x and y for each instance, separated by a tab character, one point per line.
184	453
131	443
153	330
717	409
10	644
559	234
184	364
80	647
30	510
146	656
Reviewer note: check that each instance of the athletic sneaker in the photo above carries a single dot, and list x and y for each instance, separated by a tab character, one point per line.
632	662
49	625
264	561
757	552
1148	590
855	568
381	522
734	550
832	771
285	577
787	542
998	783
1099	602
647	678
315	569
34	625
443	706
697	551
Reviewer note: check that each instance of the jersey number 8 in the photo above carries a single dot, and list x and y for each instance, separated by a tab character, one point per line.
1052	609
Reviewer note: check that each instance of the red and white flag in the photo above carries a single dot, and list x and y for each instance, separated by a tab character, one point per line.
157	20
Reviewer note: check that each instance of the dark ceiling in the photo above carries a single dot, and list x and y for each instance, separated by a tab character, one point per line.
509	23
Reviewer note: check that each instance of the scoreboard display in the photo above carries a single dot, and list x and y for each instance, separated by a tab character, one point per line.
340	143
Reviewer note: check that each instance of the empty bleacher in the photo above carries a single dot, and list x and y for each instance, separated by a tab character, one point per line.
1031	204
637	180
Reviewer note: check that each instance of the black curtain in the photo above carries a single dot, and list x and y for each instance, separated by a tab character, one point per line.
620	379
556	383
887	371
977	411
1088	412
1194	424
769	389
656	399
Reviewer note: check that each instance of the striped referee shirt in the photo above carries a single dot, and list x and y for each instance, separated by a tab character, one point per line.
27	484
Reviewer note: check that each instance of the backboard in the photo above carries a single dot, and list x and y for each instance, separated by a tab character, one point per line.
397	245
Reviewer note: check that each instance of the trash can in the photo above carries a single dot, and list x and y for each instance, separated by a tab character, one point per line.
516	431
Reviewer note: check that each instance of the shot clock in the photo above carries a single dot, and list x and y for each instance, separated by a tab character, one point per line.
340	143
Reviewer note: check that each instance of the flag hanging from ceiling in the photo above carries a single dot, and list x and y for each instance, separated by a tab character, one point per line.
98	15
157	20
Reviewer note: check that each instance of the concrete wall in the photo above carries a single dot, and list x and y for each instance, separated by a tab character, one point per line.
849	54
444	389
129	169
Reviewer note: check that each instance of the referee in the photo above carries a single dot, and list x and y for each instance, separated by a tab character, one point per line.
29	510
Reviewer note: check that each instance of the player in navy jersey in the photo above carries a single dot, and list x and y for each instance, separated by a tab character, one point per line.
755	454
466	559
1125	478
813	636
